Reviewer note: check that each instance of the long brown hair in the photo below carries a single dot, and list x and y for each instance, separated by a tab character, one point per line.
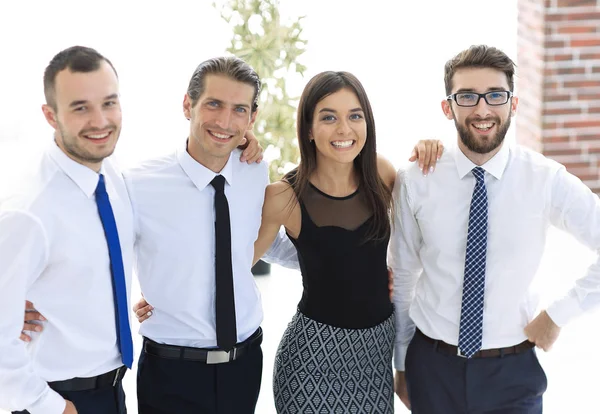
377	195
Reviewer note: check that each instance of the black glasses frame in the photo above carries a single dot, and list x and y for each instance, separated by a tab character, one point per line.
452	97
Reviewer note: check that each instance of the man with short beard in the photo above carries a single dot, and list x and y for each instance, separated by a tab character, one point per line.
466	245
66	243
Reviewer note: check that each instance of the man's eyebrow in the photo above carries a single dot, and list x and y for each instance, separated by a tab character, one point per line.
239	105
490	89
83	101
77	103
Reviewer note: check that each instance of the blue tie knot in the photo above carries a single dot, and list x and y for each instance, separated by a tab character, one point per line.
101	187
479	174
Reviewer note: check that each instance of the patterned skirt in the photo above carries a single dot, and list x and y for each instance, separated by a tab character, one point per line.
324	369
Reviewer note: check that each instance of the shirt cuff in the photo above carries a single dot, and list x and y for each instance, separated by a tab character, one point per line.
50	403
564	310
400	357
288	264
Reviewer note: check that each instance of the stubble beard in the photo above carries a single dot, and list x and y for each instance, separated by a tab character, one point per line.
470	141
73	148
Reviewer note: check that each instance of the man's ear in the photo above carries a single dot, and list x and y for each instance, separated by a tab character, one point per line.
50	115
187	106
513	105
447	108
252	120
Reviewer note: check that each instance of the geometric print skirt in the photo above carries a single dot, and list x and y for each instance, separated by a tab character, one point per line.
321	368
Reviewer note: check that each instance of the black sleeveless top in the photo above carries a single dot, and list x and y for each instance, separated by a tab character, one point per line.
345	278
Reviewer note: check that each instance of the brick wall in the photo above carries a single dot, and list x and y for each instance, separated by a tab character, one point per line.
558	82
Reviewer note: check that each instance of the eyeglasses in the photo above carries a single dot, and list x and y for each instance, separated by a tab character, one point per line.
493	98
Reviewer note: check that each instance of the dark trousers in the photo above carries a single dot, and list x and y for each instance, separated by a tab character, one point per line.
167	386
449	384
106	400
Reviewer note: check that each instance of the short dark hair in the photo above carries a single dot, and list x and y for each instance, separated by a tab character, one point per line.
231	66
480	56
76	59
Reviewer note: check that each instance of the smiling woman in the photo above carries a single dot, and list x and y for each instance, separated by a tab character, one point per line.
334	207
339	133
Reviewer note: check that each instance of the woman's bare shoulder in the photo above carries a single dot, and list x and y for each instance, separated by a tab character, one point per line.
387	171
278	196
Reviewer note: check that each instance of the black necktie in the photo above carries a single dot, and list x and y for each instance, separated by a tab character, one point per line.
225	301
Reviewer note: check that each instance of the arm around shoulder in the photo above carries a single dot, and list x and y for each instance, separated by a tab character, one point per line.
23	255
279	202
404	260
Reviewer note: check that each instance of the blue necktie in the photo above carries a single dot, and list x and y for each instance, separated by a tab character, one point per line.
471	316
118	275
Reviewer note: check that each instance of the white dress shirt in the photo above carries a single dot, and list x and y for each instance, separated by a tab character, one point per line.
53	252
173	203
282	252
526	194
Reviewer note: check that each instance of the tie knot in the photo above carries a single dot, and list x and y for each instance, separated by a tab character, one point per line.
101	187
479	174
218	183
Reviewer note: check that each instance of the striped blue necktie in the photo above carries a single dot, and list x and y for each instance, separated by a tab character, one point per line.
107	217
471	316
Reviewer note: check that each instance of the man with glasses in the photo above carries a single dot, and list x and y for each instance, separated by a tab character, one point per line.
466	246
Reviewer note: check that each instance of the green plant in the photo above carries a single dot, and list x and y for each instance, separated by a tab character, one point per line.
272	48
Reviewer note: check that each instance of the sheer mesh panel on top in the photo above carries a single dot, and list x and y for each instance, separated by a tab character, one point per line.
348	212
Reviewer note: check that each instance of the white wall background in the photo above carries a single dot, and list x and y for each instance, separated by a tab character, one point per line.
397	51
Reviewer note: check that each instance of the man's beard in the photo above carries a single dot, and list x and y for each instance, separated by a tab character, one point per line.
72	147
478	146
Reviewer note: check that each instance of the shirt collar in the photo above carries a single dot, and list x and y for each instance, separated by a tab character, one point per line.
495	165
85	178
198	173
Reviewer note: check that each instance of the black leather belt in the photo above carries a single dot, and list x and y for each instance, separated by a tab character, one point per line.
448	349
110	379
208	355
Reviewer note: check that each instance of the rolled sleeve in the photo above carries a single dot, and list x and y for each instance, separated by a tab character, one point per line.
49	403
403	259
282	252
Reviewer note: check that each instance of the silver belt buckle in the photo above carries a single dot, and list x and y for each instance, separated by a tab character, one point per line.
458	353
117	376
218	357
